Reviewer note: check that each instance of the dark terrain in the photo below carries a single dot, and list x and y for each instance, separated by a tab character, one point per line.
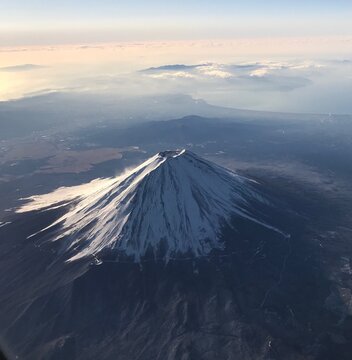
261	298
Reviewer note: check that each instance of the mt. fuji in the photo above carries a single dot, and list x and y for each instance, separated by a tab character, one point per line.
174	203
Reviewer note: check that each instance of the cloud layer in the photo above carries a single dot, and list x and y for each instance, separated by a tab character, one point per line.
258	76
285	85
21	67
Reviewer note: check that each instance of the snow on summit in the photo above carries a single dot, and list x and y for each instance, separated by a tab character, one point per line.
175	201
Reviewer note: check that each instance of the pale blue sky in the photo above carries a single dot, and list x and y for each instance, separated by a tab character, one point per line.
35	21
19	9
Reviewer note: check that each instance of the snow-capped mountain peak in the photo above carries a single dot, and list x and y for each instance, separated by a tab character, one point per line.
173	203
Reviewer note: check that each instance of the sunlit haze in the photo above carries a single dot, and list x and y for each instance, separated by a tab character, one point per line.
95	46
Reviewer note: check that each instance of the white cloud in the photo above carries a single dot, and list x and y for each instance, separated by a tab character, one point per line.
215	70
172	74
218	74
259	72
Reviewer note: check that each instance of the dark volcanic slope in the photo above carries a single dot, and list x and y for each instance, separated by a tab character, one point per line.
262	298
